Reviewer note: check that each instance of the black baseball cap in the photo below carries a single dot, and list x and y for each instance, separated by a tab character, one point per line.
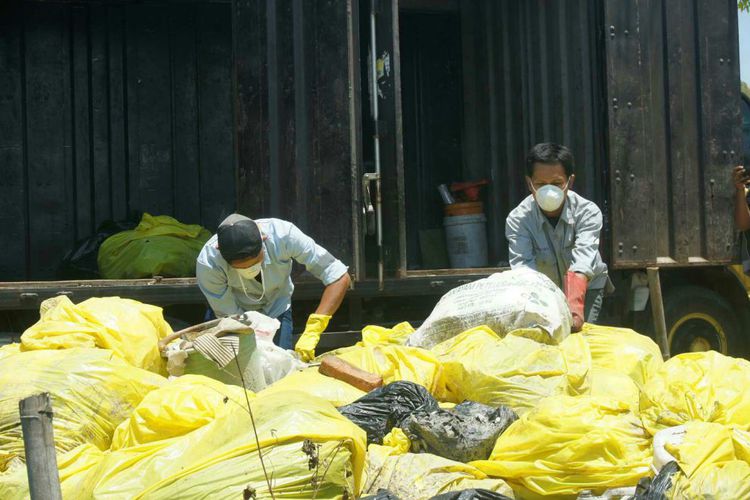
239	238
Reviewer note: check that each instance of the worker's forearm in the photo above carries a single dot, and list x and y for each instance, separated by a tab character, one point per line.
741	211
333	295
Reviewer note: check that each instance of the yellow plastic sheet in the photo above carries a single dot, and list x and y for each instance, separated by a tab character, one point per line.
395	363
606	383
730	480
713	460
9	349
128	328
214	454
377	335
569	444
705	386
159	245
72	468
624	351
92	392
311	382
412	476
514	371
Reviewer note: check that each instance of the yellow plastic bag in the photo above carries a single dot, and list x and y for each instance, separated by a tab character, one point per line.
178	408
513	371
377	335
309	381
72	468
128	328
395	363
705	386
92	392
412	476
158	246
623	350
398	441
713	462
218	458
569	444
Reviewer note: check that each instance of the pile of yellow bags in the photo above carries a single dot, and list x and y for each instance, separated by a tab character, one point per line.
193	438
130	329
589	408
158	246
92	392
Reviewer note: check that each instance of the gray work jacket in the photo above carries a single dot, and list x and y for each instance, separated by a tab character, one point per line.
571	246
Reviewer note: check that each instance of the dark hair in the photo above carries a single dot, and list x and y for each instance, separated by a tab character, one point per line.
549	153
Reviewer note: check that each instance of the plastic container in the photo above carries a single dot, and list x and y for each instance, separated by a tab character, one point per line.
464	208
250	362
466	239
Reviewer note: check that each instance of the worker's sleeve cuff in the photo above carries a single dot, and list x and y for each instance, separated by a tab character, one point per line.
333	272
585	270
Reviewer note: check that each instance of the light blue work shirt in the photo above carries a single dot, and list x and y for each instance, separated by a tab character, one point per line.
228	293
573	245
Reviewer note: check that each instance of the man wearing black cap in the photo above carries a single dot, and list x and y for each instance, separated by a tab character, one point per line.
247	266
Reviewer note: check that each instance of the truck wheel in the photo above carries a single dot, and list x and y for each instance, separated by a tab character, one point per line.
699	319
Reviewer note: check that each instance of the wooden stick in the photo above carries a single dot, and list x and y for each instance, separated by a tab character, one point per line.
195	328
657	310
39	444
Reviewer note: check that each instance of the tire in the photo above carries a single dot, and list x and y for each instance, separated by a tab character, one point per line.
699	319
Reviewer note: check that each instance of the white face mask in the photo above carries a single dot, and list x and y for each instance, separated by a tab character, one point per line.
549	197
249	273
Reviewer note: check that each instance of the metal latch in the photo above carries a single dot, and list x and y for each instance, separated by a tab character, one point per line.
368	209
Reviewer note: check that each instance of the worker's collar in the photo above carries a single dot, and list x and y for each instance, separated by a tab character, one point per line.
565	216
266	255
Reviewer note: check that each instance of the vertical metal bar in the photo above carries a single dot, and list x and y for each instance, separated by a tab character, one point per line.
376	143
657	310
39	444
355	94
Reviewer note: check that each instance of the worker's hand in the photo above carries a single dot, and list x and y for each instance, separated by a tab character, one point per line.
316	324
576	286
739	178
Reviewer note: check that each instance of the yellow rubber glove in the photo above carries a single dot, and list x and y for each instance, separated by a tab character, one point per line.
316	324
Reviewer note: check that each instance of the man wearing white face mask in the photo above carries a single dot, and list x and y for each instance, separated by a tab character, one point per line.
247	266
556	232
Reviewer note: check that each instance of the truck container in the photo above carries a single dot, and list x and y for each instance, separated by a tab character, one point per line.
196	109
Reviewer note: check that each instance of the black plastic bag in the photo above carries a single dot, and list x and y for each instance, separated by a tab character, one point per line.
657	488
466	433
381	410
81	261
471	495
381	495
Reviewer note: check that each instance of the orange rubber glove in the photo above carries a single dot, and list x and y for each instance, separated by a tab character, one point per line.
575	291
